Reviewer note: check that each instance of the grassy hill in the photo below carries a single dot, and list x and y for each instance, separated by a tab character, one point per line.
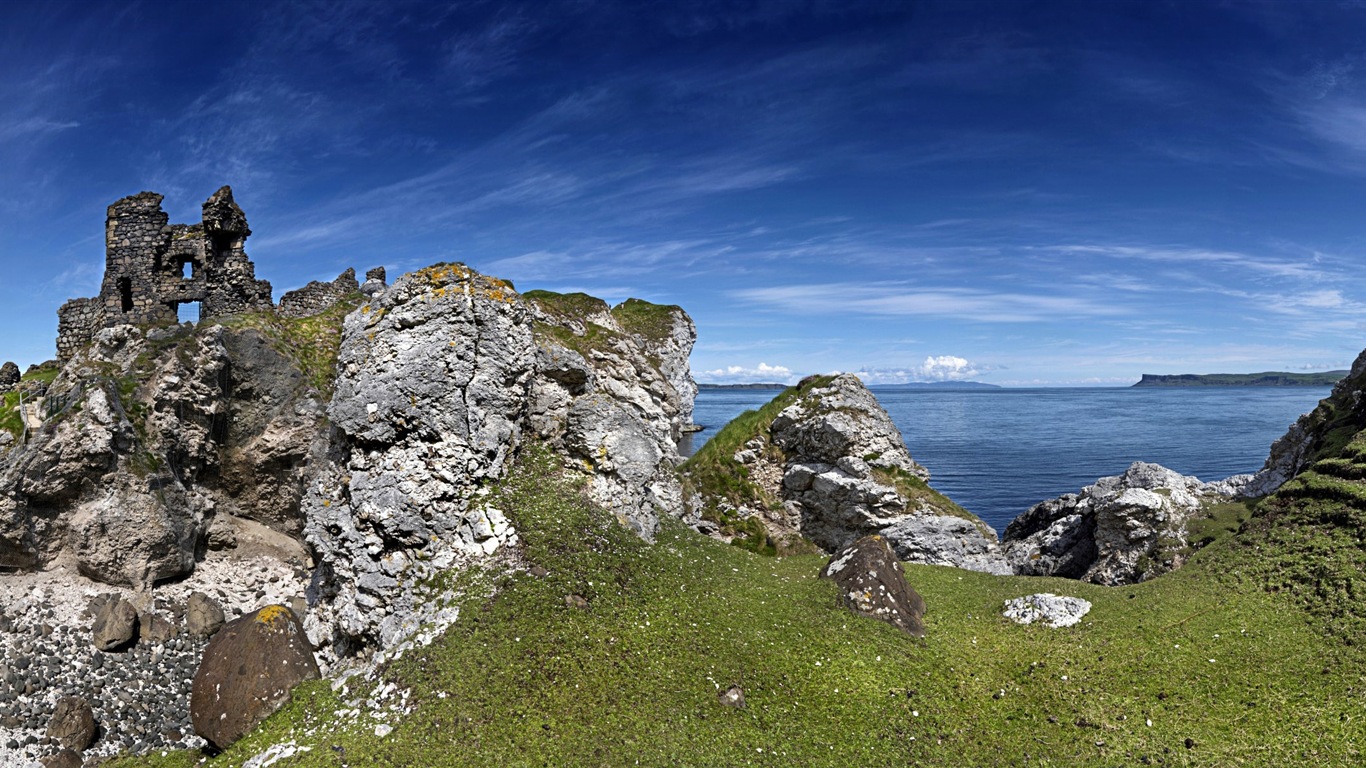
1204	666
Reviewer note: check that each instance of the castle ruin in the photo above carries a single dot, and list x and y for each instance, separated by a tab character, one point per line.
152	267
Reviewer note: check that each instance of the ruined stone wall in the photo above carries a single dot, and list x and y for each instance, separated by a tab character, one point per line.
317	296
152	267
77	321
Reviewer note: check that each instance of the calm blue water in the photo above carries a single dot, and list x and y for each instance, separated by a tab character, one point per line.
999	451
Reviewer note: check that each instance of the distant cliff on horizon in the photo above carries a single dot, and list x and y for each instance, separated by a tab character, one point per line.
1266	379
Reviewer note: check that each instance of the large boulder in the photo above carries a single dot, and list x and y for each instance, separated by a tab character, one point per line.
432	394
203	615
1120	530
72	724
873	583
247	672
9	377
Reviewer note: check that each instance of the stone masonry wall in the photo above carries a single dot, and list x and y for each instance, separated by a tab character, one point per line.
152	267
317	296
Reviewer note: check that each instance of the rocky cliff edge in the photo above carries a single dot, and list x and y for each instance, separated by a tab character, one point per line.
823	463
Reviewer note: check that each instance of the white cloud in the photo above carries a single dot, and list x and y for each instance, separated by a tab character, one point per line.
893	299
739	374
946	368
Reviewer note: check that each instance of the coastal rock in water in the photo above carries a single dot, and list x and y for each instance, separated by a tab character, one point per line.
247	673
1120	530
831	467
1315	435
1054	610
873	583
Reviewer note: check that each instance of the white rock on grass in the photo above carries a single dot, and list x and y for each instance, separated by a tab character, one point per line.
1054	610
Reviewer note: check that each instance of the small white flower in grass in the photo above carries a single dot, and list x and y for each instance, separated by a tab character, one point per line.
1064	677
1211	661
1149	721
915	713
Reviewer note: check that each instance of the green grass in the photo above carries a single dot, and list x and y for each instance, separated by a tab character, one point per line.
654	322
9	403
1204	653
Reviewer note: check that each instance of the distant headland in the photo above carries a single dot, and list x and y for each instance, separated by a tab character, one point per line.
1266	379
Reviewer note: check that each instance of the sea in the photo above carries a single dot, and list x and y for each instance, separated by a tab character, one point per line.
997	452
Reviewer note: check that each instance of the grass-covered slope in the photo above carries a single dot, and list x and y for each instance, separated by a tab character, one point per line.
1197	667
1309	540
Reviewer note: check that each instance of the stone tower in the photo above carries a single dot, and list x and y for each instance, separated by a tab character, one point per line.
152	267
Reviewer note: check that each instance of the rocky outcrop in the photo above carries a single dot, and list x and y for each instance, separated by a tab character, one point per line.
613	392
247	673
441	377
1120	530
431	397
9	377
872	583
147	437
828	465
1321	433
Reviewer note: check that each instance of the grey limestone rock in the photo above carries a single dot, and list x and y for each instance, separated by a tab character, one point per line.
947	540
431	398
842	471
1120	530
1054	610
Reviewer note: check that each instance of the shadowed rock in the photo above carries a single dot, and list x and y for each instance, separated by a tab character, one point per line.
115	625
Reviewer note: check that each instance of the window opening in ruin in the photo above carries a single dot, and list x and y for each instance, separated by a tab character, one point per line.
188	312
126	294
187	268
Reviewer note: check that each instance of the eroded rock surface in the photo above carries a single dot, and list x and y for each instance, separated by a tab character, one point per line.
831	467
1120	530
1054	610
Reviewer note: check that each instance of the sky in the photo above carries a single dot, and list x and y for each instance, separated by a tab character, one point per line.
1019	193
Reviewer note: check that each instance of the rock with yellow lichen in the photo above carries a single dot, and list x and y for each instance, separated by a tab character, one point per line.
247	673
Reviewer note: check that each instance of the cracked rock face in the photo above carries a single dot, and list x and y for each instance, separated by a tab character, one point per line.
431	396
612	393
145	439
1121	530
1054	610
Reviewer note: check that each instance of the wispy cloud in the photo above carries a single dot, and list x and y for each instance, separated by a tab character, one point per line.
912	299
1279	268
733	374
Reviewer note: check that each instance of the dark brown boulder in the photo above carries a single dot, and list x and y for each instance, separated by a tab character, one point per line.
72	724
872	583
247	672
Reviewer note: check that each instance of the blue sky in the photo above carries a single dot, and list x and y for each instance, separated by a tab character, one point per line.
1020	193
